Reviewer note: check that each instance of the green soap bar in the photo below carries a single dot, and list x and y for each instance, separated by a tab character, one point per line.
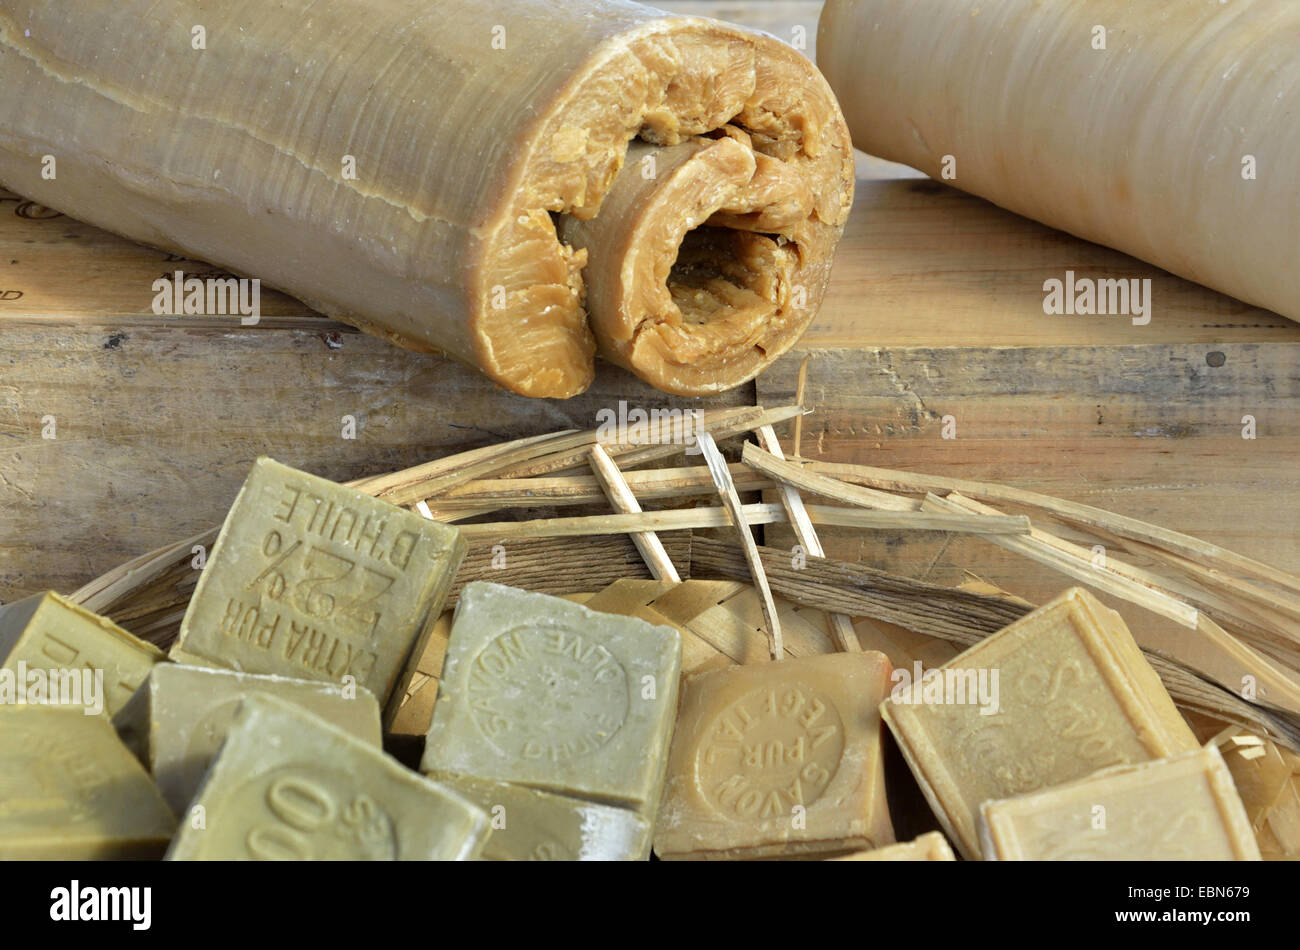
540	691
314	580
52	634
176	722
69	790
532	825
288	785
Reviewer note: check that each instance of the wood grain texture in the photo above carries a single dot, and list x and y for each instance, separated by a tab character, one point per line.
1151	431
156	429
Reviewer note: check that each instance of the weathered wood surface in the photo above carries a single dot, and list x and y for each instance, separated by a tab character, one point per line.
1154	431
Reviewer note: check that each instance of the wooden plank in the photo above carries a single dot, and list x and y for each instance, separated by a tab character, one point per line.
156	428
920	264
1150	431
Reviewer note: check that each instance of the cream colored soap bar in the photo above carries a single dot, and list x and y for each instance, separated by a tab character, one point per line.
778	759
50	633
313	580
539	691
1183	808
288	785
177	721
532	825
1073	696
931	846
69	790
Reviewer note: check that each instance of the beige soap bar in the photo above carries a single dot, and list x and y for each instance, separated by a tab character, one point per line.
539	691
69	790
49	632
313	580
531	825
778	759
288	785
1073	696
931	846
177	721
1183	808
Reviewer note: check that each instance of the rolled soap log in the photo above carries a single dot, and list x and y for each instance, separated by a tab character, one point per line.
1147	145
402	165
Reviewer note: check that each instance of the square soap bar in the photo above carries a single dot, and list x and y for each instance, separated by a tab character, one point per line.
532	825
931	846
177	721
778	759
288	785
540	691
1073	695
49	632
69	790
314	580
1183	808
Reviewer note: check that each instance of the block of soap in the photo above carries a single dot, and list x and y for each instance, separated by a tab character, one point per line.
531	825
314	580
176	722
932	846
49	632
539	691
287	785
1183	808
1073	695
69	790
778	759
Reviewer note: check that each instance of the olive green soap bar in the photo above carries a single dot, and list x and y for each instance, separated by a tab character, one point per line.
314	580
287	785
531	825
69	790
49	632
543	692
176	722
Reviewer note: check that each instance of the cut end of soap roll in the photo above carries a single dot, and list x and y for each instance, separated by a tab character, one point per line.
677	213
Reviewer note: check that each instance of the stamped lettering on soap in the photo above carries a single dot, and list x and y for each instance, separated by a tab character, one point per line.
547	693
320	586
772	749
1063	702
310	814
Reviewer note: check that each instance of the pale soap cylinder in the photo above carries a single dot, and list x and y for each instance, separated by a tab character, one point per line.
531	825
775	759
1074	695
51	633
1184	808
177	720
1165	129
540	691
314	580
932	846
288	785
69	790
